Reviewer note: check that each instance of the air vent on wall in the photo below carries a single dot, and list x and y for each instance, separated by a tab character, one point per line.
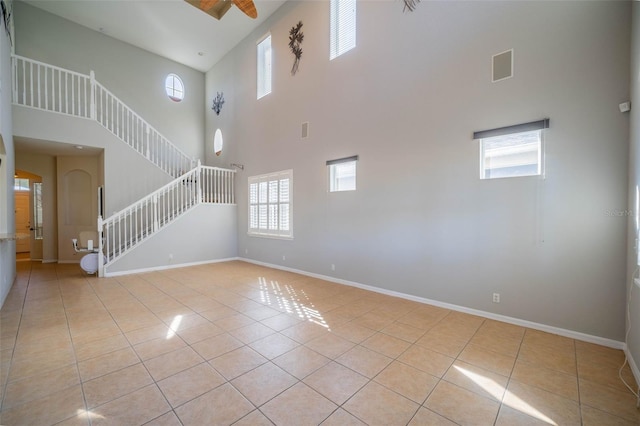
305	130
502	66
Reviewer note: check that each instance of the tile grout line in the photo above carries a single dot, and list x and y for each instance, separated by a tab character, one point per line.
129	347
5	385
353	320
66	316
506	389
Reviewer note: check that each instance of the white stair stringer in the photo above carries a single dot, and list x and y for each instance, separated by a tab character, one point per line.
205	233
125	230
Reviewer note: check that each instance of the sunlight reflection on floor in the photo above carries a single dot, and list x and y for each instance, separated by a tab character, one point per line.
495	390
88	414
290	300
173	328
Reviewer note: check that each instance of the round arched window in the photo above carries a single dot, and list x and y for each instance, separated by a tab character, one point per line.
174	87
217	142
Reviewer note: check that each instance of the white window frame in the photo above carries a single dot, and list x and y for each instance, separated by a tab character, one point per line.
270	215
333	167
264	66
342	31
515	140
21	184
174	91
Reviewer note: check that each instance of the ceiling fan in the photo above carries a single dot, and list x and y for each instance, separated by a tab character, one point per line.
217	8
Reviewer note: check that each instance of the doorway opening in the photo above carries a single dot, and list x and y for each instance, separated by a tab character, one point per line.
28	215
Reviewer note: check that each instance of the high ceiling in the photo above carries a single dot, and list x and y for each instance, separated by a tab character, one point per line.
170	28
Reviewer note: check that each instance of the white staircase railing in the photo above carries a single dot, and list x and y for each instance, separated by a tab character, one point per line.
47	87
127	228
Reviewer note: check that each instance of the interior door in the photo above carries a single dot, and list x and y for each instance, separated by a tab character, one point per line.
23	223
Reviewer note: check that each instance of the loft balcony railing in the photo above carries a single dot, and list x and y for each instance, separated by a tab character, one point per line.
50	88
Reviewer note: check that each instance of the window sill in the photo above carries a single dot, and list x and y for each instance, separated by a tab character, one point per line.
273	237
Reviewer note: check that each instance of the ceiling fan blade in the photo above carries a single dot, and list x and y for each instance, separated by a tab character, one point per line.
207	4
215	8
247	7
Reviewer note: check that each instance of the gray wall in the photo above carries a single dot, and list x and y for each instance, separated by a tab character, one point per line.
633	342
407	100
182	241
132	74
7	202
128	176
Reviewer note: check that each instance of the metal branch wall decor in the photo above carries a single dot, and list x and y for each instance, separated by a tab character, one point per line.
410	4
295	40
217	102
6	18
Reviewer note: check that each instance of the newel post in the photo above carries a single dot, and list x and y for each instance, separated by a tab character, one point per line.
199	180
100	248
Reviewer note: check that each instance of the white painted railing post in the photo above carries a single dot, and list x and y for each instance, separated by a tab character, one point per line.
148	142
92	91
155	213
14	79
199	179
100	248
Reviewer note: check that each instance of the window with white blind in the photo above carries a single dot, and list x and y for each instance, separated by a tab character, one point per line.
343	27
342	174
270	202
264	66
512	151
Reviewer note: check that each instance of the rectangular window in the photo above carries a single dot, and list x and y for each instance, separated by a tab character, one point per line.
342	174
21	184
343	27
264	66
37	210
512	151
270	201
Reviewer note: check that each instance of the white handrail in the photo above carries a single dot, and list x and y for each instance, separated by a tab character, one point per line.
47	87
122	231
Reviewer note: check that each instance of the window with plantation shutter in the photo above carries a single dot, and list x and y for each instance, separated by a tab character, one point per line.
343	27
270	205
264	66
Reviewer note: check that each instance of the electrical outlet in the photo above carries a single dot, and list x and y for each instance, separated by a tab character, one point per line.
333	267
284	257
496	297
170	256
246	251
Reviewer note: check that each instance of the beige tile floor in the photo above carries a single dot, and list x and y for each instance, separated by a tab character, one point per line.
236	343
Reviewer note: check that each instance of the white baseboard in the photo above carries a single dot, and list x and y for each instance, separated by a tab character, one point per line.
49	260
68	262
511	320
632	365
165	267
